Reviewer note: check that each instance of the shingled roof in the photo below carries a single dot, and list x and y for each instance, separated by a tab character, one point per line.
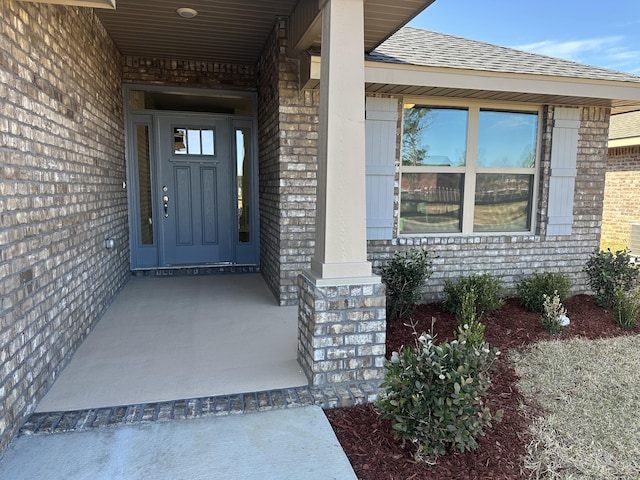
625	125
413	46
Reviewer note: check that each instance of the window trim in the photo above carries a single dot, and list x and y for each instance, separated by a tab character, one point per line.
470	170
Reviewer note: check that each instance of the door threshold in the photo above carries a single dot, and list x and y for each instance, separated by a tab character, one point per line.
189	270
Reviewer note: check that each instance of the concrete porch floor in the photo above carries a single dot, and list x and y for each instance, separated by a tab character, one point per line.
170	338
186	377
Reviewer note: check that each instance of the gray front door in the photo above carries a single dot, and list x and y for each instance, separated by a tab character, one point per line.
194	190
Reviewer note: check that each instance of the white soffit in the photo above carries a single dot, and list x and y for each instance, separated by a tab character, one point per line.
110	4
407	80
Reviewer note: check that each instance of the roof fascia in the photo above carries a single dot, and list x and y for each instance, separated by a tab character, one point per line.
413	75
624	142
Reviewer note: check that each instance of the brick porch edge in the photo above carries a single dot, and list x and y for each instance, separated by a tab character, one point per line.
327	397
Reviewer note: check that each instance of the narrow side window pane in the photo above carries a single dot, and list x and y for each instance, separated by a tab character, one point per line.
431	202
144	184
243	167
137	100
507	139
502	203
434	136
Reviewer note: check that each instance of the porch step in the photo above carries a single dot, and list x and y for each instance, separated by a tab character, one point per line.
335	396
192	270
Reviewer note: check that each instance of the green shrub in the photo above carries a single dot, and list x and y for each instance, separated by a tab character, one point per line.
531	290
433	394
609	272
627	306
468	321
488	291
553	311
404	277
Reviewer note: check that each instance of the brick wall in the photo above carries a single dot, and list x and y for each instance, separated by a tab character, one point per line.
61	172
268	158
288	133
188	73
514	256
622	196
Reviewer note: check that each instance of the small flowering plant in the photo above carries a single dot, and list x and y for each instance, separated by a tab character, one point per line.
433	394
554	313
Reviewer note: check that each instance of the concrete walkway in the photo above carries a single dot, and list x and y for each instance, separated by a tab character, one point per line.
296	444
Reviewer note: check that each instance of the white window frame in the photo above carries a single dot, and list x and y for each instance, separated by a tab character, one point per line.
470	170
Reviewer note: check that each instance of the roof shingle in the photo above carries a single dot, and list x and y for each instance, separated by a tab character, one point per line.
414	46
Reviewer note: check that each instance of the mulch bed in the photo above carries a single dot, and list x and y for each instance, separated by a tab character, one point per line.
367	439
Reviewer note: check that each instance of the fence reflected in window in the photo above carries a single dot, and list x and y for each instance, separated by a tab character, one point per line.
502	203
431	202
144	184
243	169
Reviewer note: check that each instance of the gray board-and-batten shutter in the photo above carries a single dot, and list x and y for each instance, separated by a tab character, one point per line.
564	152
380	149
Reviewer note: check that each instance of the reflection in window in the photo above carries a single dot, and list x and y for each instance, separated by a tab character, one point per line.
431	202
507	139
144	184
193	141
440	175
243	166
502	203
434	136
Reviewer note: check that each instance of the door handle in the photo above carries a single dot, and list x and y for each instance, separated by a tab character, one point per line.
165	204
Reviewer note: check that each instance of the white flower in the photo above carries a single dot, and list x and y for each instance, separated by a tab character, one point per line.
422	339
395	358
441	377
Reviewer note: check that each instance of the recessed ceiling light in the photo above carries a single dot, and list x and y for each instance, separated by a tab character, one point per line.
187	12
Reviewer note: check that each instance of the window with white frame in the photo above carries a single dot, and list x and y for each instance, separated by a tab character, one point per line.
468	169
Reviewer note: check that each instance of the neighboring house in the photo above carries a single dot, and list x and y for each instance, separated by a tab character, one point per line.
115	125
622	187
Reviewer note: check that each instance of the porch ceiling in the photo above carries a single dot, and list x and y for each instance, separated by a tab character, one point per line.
227	31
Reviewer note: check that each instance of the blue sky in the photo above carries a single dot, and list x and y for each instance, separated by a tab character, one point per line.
595	32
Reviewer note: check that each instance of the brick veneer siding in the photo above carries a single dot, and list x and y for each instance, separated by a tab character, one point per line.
341	332
621	195
61	172
188	73
514	256
288	133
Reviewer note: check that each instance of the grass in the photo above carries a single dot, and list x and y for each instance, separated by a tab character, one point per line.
590	392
